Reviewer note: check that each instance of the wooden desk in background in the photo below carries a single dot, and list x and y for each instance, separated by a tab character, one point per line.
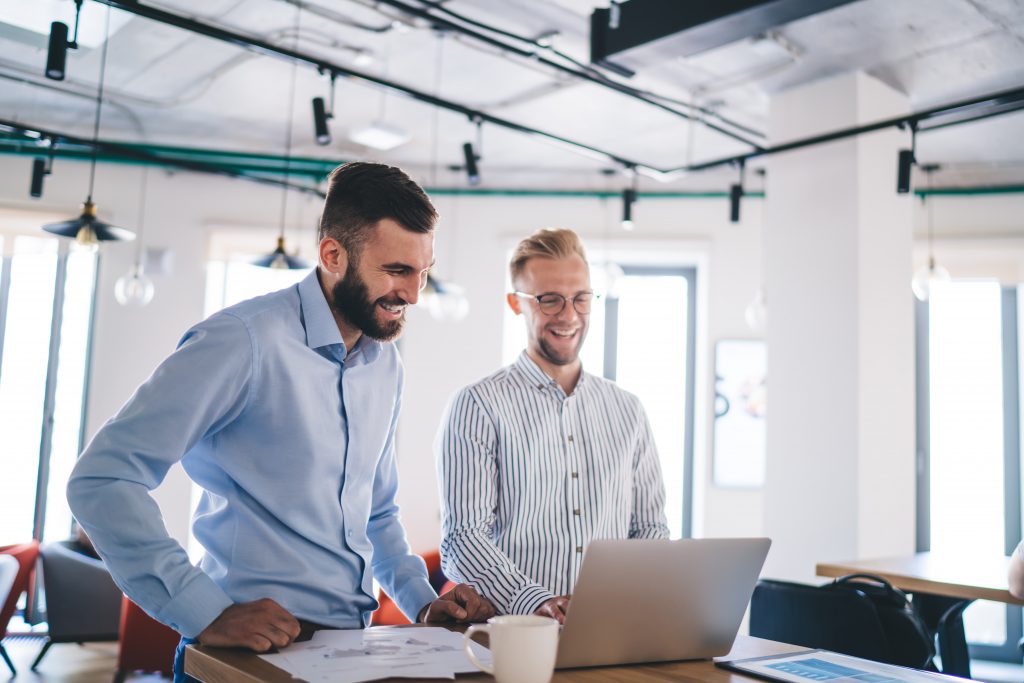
217	665
943	586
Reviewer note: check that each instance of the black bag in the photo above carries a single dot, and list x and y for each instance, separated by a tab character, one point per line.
910	644
859	615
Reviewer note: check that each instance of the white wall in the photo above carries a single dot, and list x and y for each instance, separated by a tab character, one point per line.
471	244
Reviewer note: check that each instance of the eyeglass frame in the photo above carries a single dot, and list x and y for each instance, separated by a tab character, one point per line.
565	300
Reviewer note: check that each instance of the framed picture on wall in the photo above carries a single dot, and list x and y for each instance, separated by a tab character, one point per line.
738	459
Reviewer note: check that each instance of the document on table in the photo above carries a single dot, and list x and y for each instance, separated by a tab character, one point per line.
350	656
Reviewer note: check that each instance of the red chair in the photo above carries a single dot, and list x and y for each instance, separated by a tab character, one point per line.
144	644
26	554
388	613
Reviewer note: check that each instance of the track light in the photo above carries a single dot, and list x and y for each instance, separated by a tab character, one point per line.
904	164
736	193
472	171
40	169
628	199
320	116
57	53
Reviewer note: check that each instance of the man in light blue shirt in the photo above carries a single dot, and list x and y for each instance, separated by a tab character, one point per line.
283	409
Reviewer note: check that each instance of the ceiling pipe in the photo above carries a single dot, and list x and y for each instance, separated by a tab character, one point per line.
967	110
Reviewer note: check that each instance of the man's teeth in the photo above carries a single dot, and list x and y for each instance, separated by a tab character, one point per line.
392	308
567	333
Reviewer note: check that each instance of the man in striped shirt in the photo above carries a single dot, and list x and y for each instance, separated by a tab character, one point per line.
540	458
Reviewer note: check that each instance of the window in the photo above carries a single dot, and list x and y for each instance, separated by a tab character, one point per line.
644	340
968	440
46	302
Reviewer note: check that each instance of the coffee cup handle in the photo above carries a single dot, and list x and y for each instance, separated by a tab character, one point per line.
476	628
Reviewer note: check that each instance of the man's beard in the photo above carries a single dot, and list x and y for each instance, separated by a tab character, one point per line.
558	358
352	302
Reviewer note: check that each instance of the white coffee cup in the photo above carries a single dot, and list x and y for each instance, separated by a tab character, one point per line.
523	648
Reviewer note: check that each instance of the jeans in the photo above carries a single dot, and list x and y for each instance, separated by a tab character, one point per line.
179	662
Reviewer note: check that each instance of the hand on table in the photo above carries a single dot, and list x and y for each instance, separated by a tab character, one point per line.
556	608
259	625
461	603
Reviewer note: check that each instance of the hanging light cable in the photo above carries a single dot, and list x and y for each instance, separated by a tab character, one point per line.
87	229
930	274
134	288
279	258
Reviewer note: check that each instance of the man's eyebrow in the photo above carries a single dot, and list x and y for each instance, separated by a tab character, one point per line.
399	265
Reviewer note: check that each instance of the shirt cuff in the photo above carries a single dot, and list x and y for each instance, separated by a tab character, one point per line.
195	607
413	596
529	599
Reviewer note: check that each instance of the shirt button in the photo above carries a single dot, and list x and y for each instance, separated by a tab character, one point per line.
570	437
575	475
579	549
541	387
576	512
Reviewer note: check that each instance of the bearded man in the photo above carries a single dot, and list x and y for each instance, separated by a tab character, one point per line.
540	458
283	410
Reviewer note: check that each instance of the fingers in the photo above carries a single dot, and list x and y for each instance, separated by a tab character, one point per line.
259	625
443	609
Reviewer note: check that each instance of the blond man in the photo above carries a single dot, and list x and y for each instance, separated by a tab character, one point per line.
540	458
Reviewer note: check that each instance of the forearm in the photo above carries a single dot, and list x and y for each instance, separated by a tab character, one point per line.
472	557
127	530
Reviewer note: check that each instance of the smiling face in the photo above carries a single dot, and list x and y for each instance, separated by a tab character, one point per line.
553	339
370	294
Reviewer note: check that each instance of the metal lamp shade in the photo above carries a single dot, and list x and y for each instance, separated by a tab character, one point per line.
87	229
279	259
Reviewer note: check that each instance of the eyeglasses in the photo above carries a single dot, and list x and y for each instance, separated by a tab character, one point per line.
553	304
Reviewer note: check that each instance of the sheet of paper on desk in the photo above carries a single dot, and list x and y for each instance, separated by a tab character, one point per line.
350	656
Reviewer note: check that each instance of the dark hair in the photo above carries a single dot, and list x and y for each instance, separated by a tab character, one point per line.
360	194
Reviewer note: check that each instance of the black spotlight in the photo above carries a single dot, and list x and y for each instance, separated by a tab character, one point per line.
39	172
904	164
628	199
735	195
320	117
472	171
57	55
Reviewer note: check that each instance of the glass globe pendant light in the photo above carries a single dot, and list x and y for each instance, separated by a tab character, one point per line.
929	275
134	288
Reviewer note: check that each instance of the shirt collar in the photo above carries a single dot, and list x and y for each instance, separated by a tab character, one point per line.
535	375
321	327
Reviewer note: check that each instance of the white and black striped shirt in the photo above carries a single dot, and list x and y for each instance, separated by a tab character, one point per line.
529	476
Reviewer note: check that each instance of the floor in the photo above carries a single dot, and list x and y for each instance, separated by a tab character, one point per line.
66	663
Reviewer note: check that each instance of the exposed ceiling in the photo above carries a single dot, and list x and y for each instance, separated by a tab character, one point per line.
168	86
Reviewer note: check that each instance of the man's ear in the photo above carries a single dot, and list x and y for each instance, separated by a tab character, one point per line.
513	303
333	257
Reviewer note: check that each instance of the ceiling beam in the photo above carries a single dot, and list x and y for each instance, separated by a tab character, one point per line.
638	33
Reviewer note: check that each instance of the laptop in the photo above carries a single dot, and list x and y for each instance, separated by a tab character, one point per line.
659	600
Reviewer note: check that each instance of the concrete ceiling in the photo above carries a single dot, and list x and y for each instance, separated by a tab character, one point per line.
168	86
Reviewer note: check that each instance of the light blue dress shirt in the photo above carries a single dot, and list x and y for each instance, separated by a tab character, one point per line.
291	439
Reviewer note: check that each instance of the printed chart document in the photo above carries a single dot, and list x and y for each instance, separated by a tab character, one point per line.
350	656
822	665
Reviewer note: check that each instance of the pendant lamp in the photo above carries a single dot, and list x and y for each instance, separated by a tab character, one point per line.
87	229
279	259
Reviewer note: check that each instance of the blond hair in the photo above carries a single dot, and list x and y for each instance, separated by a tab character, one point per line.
552	243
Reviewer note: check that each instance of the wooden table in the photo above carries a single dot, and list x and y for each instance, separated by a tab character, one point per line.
943	586
218	665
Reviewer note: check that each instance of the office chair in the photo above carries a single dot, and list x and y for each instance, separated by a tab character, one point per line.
388	614
26	555
83	605
841	618
145	644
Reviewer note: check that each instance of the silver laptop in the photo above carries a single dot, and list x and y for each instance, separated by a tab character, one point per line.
659	600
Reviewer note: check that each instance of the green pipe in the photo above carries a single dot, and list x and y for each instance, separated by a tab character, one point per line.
317	170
